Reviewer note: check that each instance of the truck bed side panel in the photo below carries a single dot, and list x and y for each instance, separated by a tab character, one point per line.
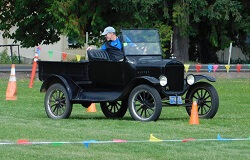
78	71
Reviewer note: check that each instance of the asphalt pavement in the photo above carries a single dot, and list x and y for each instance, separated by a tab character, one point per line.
18	67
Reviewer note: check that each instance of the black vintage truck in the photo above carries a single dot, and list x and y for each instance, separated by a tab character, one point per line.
142	82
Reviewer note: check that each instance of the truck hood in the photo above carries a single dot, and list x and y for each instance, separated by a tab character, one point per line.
157	62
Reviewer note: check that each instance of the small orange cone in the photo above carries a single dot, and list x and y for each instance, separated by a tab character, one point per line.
11	92
91	108
194	118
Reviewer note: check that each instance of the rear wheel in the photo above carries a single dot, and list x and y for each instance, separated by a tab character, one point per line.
145	103
86	104
114	109
206	97
57	104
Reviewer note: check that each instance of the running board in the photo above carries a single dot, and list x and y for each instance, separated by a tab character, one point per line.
97	96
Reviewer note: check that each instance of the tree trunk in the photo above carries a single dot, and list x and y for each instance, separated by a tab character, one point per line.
207	52
180	45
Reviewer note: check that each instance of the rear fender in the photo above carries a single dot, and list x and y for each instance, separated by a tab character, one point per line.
71	87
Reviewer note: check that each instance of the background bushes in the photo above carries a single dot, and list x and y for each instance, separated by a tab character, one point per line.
6	59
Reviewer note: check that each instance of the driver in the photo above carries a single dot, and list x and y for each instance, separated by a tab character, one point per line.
113	45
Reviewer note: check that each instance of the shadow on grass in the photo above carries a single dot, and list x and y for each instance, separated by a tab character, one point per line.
99	118
127	118
174	119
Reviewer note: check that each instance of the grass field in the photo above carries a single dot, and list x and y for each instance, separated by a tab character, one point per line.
26	119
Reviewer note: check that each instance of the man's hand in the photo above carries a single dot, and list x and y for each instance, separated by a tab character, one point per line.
89	48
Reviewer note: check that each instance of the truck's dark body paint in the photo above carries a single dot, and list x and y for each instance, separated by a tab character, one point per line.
102	80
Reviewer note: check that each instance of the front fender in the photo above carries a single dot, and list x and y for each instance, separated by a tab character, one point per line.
197	79
144	80
152	80
138	81
71	87
200	77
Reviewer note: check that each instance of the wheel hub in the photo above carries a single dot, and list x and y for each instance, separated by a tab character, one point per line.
145	105
112	103
201	101
57	102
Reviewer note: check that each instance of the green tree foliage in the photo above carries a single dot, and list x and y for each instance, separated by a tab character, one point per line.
210	24
213	24
79	17
145	14
75	17
33	22
41	22
6	59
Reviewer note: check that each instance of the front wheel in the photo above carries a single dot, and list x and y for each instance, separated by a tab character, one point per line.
206	97
57	104
145	103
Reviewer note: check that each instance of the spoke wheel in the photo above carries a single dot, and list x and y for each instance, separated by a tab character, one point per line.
206	97
86	104
114	109
145	103
57	104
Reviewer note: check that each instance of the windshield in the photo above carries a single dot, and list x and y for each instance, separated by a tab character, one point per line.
141	42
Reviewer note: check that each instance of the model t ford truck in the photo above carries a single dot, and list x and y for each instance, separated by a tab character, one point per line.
142	82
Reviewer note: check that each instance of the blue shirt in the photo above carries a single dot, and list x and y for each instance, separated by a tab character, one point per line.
116	43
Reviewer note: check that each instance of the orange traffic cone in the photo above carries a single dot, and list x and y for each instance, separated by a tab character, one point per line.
11	92
91	108
33	72
194	118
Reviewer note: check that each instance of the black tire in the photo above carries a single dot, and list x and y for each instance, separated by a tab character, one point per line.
114	109
145	103
86	104
206	97
57	104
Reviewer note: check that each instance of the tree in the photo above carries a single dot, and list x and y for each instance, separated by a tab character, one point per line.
181	29
34	23
208	25
188	19
76	17
213	25
42	22
145	14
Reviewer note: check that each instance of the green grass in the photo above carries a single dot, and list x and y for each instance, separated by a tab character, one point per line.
26	119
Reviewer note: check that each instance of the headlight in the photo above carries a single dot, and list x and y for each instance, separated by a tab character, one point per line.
163	80
190	79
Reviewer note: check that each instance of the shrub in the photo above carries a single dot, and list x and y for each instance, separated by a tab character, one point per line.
15	58
6	59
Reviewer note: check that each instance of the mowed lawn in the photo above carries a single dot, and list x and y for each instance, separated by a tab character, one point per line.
26	119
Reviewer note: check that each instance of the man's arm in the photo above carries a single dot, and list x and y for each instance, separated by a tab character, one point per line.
103	47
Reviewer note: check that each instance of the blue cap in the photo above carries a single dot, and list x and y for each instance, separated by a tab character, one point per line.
108	30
